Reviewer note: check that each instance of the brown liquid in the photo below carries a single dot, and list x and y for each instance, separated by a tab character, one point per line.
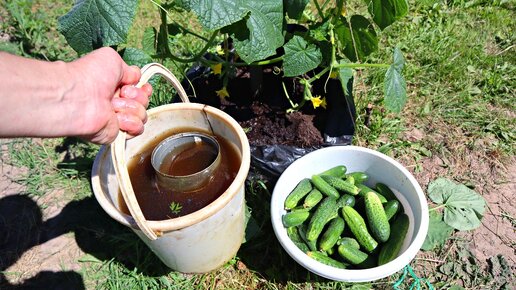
155	202
189	159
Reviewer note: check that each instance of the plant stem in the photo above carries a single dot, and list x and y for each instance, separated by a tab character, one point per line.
199	55
437	207
318	75
262	62
361	65
319	10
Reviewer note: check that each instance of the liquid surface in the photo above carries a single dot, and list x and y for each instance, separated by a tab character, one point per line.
156	203
189	158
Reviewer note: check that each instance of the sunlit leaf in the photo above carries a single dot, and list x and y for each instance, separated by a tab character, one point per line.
438	232
395	90
300	57
93	24
215	14
386	12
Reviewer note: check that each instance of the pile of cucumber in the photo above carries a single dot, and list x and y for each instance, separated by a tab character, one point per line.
339	221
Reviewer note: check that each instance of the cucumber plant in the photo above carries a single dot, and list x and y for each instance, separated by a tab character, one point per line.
333	39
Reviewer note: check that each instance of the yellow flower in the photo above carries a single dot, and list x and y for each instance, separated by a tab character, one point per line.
317	101
223	93
219	50
343	12
216	68
334	74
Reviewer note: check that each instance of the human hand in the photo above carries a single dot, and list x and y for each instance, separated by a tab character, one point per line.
109	100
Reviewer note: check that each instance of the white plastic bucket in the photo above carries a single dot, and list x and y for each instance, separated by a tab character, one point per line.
205	239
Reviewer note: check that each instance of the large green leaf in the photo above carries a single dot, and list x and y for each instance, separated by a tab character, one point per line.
345	74
262	33
134	56
216	14
438	232
300	57
295	8
386	12
360	40
395	90
463	206
92	24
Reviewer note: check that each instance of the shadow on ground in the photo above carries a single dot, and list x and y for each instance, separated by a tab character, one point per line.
22	227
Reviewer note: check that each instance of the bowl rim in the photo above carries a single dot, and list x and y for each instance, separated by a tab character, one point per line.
349	275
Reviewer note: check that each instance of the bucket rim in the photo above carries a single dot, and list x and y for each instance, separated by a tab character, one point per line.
194	217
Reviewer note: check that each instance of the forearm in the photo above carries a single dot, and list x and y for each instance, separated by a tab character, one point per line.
34	96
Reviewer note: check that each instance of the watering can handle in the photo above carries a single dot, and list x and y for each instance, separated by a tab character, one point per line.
118	150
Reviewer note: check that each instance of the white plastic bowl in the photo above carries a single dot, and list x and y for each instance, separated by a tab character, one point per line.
380	168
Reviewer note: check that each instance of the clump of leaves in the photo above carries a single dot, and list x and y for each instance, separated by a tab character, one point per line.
463	211
175	207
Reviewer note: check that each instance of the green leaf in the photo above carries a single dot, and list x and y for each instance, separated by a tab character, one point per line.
294	8
134	56
399	60
149	40
320	31
438	232
345	74
93	24
262	33
359	41
463	206
395	90
300	57
215	14
386	12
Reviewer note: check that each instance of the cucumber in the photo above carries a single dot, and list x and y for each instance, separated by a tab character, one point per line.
351	254
346	199
324	187
365	189
349	242
385	191
369	263
392	247
294	236
312	245
359	176
358	227
300	191
338	171
376	217
322	258
351	180
295	218
341	184
312	199
391	208
331	235
325	211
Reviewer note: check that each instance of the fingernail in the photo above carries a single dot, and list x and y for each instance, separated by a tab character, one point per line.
129	92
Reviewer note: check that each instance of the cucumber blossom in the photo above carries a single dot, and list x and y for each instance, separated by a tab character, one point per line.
376	217
300	191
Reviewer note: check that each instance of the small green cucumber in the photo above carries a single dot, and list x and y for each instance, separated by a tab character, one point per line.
349	242
346	199
358	176
330	251
312	245
351	254
338	171
385	191
325	211
351	180
365	189
331	235
391	208
358	227
322	258
295	218
294	236
324	187
341	184
313	198
300	191
392	247
376	217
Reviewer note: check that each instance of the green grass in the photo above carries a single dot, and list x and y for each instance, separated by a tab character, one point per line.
461	71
